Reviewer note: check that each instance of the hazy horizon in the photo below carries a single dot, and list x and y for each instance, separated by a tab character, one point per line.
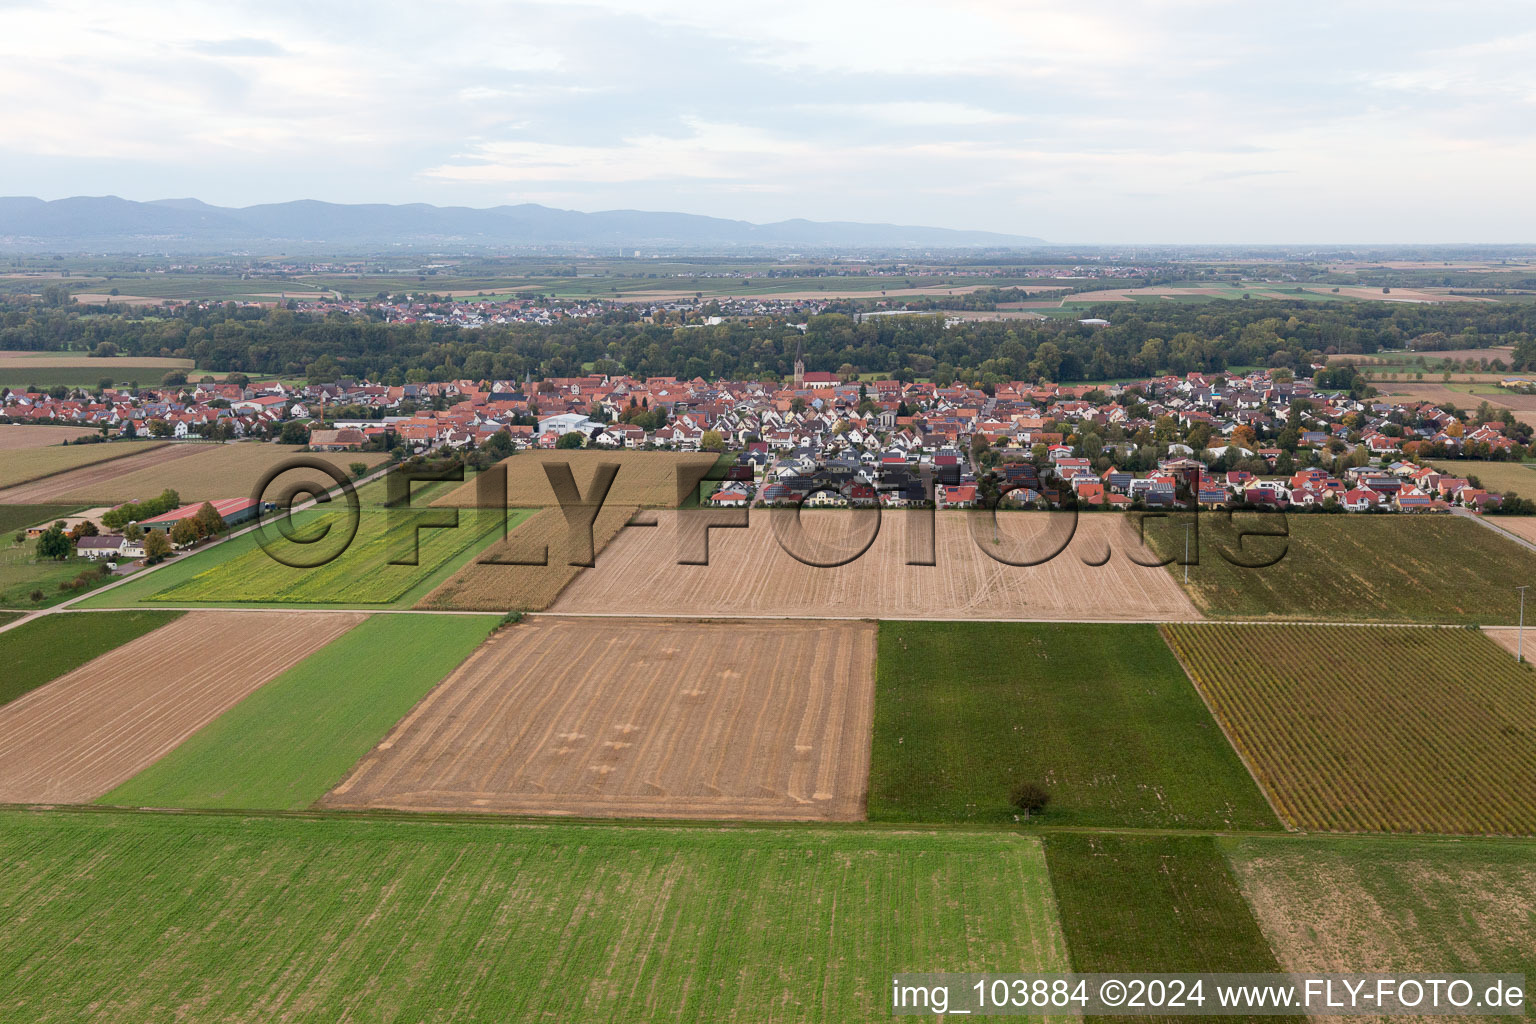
1351	123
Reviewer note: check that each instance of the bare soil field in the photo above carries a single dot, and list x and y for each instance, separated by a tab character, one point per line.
86	732
1523	527
751	573
632	718
1407	295
1508	637
484	585
13	359
17	436
646	479
102	298
198	472
24	466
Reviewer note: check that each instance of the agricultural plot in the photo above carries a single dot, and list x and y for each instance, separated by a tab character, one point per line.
638	719
27	581
489	583
21	436
1504	477
646	479
286	744
19	517
197	472
1360	568
45	648
1372	905
402	920
1372	728
23	465
751	571
86	732
1101	715
359	572
45	369
1523	527
1154	904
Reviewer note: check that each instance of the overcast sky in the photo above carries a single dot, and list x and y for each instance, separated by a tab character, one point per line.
1177	121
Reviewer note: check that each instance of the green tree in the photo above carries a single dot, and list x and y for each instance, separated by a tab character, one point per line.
53	543
156	547
293	432
712	441
570	440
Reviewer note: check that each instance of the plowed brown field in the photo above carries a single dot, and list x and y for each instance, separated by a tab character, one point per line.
750	573
198	472
89	730
625	718
99	480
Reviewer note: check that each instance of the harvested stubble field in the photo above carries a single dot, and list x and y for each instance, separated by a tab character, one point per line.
84	733
629	718
16	436
27	465
750	573
486	585
1504	477
1375	728
145	917
196	471
645	479
1376	905
44	369
1361	568
1523	527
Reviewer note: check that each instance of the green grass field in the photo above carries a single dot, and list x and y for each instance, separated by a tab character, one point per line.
1153	904
22	573
1101	715
117	916
292	740
240	572
19	517
1382	906
1366	568
48	647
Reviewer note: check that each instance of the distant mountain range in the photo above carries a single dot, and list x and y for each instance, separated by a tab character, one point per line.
108	222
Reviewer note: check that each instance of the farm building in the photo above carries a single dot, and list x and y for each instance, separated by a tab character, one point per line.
108	546
234	511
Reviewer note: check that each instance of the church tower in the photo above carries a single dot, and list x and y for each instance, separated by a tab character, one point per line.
799	366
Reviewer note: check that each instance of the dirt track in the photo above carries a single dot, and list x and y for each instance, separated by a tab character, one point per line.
751	574
84	733
627	718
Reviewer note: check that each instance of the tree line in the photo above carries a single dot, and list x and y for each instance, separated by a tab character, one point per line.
1141	340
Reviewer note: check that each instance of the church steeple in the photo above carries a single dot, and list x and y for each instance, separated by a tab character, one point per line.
799	366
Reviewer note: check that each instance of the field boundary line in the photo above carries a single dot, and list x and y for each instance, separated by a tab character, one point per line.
1162	631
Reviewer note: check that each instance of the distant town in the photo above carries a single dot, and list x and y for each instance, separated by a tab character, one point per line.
1265	439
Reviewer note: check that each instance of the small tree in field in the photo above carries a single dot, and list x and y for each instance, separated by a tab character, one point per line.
359	469
1030	797
54	543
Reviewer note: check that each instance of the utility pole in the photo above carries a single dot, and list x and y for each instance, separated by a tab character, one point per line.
1520	630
